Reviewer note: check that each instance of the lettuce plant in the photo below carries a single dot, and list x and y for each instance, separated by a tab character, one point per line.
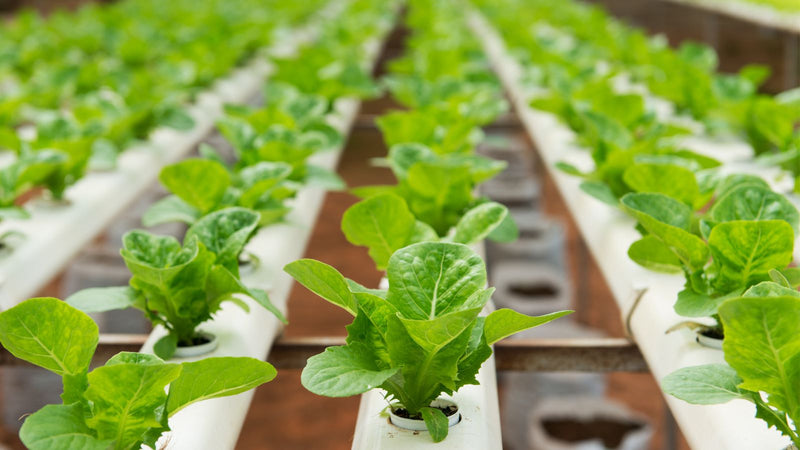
31	169
94	81
438	189
456	99
279	143
182	286
121	405
384	224
423	125
421	338
202	186
747	233
285	105
763	356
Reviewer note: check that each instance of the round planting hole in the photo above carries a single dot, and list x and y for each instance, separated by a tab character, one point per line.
611	432
534	290
530	233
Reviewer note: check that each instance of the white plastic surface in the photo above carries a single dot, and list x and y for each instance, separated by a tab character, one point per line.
608	233
762	15
479	427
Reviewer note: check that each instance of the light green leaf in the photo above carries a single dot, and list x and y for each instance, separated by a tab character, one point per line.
669	179
652	253
436	423
600	191
475	354
103	299
422	233
502	323
343	371
403	156
478	222
216	377
761	345
433	278
170	209
439	194
694	304
199	182
134	358
377	310
225	232
506	231
771	289
128	399
433	334
745	251
51	334
382	223
704	385
481	168
165	347
324	281
749	202
425	374
60	427
668	220
261	297
155	259
357	288
737	181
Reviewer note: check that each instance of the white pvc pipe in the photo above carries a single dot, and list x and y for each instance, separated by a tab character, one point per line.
215	424
479	427
608	233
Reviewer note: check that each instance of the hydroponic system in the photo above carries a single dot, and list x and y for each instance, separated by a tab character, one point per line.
400	224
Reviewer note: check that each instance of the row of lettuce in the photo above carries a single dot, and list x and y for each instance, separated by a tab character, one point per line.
77	88
425	335
731	237
226	200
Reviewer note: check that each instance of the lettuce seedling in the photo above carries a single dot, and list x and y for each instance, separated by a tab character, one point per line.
442	132
326	70
746	234
761	348
28	170
447	114
476	102
180	287
201	186
287	106
770	124
419	339
438	189
283	144
121	405
384	224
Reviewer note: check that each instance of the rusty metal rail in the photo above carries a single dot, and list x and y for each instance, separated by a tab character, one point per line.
531	355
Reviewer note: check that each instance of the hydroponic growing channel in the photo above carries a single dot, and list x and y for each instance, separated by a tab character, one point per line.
511	224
